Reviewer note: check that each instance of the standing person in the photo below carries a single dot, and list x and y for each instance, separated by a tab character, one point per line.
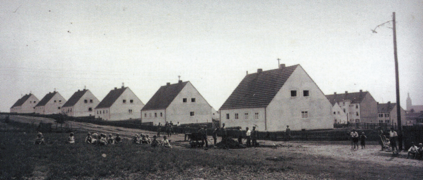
393	139
224	133
354	139
159	128
204	133
168	129
71	138
248	136
381	137
215	135
240	134
288	133
363	138
254	135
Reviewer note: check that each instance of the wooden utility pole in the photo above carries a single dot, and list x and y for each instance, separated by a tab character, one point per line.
397	84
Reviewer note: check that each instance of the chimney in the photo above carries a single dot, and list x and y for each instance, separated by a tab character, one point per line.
334	93
281	66
259	70
54	90
123	85
346	92
115	88
361	91
377	103
246	72
180	81
168	84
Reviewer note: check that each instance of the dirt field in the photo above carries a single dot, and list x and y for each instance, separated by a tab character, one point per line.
290	160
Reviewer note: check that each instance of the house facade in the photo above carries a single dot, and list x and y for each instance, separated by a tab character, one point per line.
387	113
180	102
81	104
50	104
25	104
360	107
413	108
274	99
119	104
340	117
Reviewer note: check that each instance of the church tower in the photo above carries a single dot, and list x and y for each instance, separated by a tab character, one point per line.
409	104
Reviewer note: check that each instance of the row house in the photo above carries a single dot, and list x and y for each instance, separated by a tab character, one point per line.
177	103
81	104
119	104
50	104
387	113
274	99
25	104
357	107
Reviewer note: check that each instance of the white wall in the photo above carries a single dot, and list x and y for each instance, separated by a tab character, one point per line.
242	121
53	106
178	111
285	110
27	106
338	114
155	116
120	110
81	108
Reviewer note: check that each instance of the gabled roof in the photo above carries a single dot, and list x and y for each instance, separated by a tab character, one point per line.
355	97
46	98
75	98
21	100
257	90
111	97
164	96
385	107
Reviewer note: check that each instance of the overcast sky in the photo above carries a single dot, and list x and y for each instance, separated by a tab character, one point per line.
99	44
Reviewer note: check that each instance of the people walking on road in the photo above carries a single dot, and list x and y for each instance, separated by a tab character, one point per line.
393	139
224	133
203	132
248	136
363	138
254	136
381	137
354	138
159	128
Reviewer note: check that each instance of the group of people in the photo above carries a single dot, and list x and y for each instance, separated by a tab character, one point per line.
355	137
168	127
415	151
102	139
40	138
145	139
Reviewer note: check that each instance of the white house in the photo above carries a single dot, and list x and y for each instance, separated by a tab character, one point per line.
274	99
340	117
80	104
180	102
25	104
50	104
119	104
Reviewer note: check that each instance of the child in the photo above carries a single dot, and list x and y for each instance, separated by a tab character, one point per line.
71	138
147	139
40	138
117	139
110	140
166	143
94	139
412	151
103	139
154	143
136	139
363	140
89	139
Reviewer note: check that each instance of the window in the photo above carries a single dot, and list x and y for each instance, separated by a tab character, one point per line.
236	115
60	101
70	109
293	93
386	121
54	101
107	111
334	112
155	114
91	101
380	115
305	93
344	110
356	106
227	116
246	115
161	114
89	109
386	115
304	114
130	111
85	101
191	113
380	121
184	100
192	99
131	101
145	114
256	115
356	113
58	107
124	101
35	101
100	112
103	112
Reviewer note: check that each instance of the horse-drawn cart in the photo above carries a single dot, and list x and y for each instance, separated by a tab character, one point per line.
196	140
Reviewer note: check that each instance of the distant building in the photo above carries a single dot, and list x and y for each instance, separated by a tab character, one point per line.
387	113
50	104
273	99
25	104
359	106
119	104
215	114
180	102
340	117
413	108
80	104
413	117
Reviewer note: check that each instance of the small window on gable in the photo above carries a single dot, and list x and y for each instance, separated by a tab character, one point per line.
85	101
192	99
124	101
293	93
54	101
131	101
60	101
305	93
58	107
334	112
356	106
184	100
90	109
191	113
35	101
91	101
356	113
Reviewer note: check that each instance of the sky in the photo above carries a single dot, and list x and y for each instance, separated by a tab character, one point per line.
100	44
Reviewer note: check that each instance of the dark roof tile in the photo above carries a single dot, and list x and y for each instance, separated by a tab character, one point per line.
46	98
75	98
385	107
355	97
21	100
111	98
164	96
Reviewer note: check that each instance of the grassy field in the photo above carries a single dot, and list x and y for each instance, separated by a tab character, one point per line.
20	158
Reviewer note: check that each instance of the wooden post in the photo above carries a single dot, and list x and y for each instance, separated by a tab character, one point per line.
397	84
